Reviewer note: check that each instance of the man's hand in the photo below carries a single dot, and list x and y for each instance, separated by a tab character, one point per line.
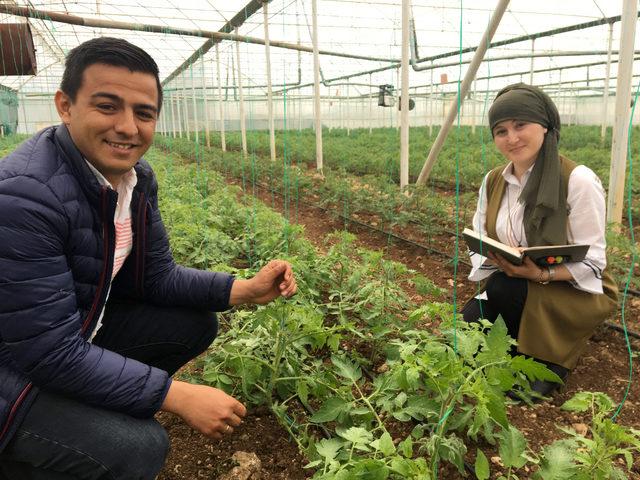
273	280
209	410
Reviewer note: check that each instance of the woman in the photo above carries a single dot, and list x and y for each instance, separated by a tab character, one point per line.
540	198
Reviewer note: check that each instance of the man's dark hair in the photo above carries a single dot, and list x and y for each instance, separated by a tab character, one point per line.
109	51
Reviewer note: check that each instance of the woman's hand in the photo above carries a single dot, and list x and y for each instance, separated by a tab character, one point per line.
528	269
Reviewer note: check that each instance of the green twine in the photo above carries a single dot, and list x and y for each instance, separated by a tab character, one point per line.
633	258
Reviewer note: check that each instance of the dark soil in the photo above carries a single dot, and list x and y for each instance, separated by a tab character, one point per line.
604	368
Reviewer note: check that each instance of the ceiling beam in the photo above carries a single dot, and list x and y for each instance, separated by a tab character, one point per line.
252	7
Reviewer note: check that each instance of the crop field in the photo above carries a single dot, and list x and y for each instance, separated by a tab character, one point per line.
368	372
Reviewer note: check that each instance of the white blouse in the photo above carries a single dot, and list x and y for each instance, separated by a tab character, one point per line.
586	208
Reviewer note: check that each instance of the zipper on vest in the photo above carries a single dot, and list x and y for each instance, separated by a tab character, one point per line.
14	409
141	232
106	270
108	260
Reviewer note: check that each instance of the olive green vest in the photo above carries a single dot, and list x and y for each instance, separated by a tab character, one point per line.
558	319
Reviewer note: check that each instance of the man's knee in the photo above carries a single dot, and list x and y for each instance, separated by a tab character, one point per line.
119	448
141	452
208	323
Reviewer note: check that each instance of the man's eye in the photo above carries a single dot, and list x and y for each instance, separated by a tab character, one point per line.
146	115
106	107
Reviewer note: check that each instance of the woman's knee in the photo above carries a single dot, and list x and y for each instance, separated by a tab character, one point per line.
501	286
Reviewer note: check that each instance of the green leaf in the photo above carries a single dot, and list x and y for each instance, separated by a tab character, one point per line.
333	342
346	368
582	402
497	408
330	410
482	466
453	450
225	379
356	435
497	343
329	448
386	444
533	370
512	447
370	469
557	462
302	389
401	466
400	399
406	447
413	377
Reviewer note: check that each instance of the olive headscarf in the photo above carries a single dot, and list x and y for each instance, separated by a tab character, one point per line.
544	195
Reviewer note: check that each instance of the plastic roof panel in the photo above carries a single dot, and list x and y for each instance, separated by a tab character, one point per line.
369	28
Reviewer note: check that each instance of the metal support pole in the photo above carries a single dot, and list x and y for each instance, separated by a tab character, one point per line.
272	137
172	102
196	125
431	104
223	142
205	104
340	109
605	95
243	128
464	88
623	111
398	110
533	49
560	107
348	108
179	110
185	108
316	85
473	108
370	107
404	99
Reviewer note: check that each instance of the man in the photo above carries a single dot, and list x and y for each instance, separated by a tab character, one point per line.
95	316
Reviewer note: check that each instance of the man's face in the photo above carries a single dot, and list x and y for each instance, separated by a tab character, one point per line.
113	117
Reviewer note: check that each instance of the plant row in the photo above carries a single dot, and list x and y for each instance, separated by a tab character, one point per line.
371	198
348	366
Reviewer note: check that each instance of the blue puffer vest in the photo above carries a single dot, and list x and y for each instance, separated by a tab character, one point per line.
57	241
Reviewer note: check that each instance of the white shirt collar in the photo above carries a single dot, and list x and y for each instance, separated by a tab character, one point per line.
509	176
129	179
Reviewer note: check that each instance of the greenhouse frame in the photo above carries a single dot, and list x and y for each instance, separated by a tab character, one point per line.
351	138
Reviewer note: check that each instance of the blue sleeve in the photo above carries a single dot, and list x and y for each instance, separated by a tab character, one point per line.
167	283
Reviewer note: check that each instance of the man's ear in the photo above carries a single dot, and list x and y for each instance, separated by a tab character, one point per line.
63	105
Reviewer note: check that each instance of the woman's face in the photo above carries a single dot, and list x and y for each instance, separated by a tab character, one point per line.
519	141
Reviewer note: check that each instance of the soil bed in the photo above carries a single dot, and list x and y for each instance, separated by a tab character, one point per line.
604	367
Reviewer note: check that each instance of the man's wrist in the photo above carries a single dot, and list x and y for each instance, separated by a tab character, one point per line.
239	292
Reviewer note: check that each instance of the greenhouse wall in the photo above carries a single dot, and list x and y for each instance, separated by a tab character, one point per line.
35	113
8	111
